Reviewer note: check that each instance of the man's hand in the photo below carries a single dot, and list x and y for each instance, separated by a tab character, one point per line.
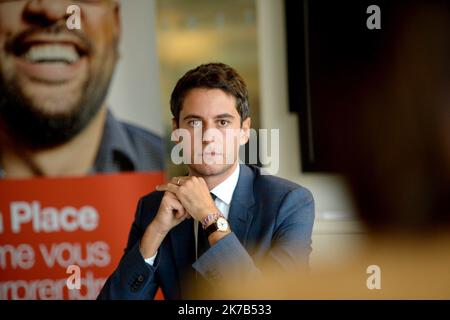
170	214
193	194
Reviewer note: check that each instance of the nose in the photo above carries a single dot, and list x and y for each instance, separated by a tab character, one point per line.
207	140
210	133
208	137
45	12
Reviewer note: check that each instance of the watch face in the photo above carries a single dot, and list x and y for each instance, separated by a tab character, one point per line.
222	224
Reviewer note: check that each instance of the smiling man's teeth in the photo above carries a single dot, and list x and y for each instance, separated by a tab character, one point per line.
52	53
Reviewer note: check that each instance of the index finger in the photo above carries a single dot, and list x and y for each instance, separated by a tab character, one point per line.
168	187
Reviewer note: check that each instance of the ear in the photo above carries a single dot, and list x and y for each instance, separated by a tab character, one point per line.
245	131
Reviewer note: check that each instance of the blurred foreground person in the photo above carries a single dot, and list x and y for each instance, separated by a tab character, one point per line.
399	172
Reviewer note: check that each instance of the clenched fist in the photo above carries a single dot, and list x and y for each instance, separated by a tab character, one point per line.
193	194
170	214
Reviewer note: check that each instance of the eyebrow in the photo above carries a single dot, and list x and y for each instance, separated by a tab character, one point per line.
220	116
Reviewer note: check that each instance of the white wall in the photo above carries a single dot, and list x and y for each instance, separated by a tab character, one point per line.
336	232
135	91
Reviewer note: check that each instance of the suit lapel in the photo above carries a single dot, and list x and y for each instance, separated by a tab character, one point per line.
242	204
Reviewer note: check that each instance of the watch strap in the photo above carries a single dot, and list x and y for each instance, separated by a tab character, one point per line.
211	229
211	217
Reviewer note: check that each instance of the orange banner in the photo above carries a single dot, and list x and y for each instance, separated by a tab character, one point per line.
61	238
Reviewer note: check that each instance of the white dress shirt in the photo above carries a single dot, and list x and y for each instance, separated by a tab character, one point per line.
223	192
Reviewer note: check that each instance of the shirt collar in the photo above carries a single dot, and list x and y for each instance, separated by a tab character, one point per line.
224	191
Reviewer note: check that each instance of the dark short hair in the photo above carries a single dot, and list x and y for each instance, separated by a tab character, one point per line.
211	76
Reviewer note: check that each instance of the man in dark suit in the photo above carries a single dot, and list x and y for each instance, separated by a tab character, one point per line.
224	219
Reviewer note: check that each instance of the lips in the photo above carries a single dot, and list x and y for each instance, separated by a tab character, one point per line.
209	154
212	154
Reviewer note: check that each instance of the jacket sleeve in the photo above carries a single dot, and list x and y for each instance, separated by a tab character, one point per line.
133	279
290	243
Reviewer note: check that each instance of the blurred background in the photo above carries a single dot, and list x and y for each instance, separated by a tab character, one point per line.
162	39
338	92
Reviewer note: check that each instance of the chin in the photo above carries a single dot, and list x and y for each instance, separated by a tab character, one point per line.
210	169
51	106
61	100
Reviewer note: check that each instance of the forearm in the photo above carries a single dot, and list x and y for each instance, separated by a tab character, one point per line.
151	241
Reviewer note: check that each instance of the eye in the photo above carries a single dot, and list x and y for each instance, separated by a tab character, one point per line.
195	123
224	123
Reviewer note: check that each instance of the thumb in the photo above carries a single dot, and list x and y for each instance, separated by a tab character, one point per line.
178	208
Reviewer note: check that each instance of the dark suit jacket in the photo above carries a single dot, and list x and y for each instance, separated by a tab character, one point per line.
271	220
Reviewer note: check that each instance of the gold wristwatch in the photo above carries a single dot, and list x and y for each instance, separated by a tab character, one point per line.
220	224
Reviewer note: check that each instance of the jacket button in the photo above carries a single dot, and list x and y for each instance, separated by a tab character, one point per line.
140	278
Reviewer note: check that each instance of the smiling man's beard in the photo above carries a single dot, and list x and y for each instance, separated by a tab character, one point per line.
28	125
